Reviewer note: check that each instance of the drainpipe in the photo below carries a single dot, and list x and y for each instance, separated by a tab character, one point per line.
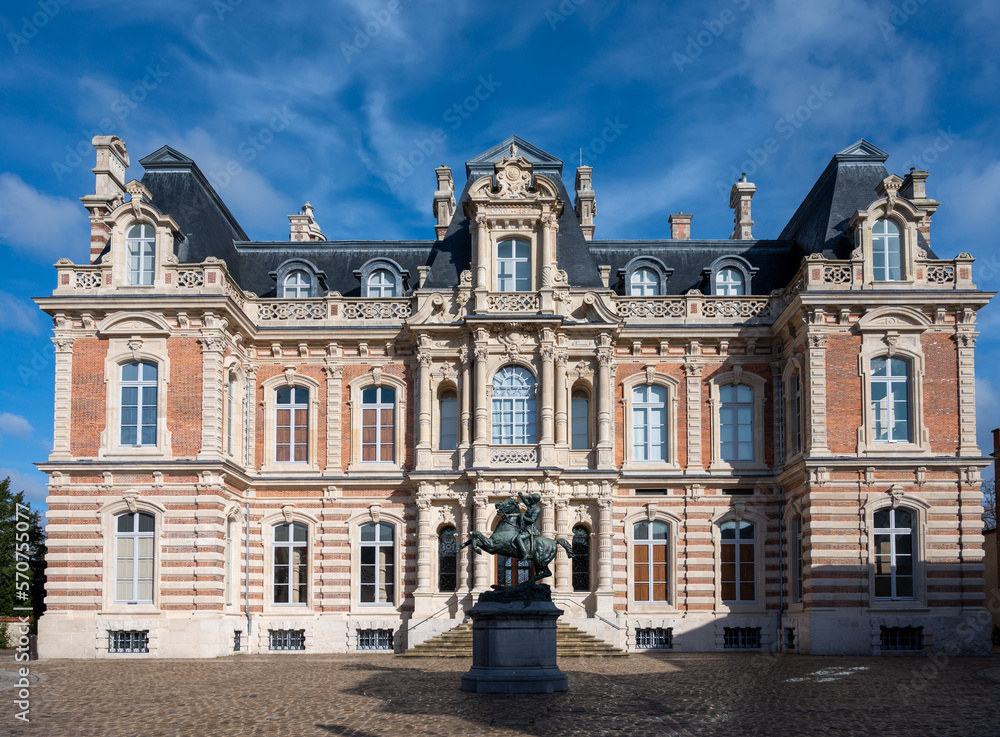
246	587
781	568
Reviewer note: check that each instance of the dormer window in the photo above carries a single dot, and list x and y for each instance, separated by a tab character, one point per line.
297	285
140	247
644	283
513	266
887	251
730	276
729	283
382	283
644	276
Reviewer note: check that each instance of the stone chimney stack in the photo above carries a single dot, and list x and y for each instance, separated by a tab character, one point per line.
586	202
680	226
739	199
914	188
444	201
304	226
109	189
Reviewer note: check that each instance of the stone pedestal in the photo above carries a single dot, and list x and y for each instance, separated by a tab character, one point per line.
514	645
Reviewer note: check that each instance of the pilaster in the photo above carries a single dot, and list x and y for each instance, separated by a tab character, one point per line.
63	407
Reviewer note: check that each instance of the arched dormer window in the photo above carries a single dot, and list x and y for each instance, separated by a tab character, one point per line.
140	253
383	278
887	251
644	276
730	276
298	278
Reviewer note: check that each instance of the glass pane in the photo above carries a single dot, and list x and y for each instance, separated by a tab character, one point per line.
368	532
302	396
149	372
367	555
729	590
125	522
385	532
881	518
660	531
124	567
904	587
878	367
883	586
641	531
281	555
146	568
904	565
123	590
130	372
728	530
281	533
145	547
300	533
284	395
744	393
641	591
746	591
904	519
746	531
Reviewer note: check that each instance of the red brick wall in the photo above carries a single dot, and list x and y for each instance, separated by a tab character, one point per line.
941	392
844	412
184	403
89	399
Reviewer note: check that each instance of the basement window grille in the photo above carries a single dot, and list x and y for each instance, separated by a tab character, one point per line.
375	640
237	640
128	641
741	638
654	638
287	639
902	638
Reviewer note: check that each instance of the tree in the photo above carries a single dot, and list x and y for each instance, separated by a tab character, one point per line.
990	504
22	541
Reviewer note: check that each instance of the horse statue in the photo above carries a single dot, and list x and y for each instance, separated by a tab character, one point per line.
517	537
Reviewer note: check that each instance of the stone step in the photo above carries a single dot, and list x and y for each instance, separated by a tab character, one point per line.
457	643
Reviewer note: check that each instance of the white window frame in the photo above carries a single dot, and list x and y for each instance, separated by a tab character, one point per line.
230	412
140	255
448	425
644	282
729	415
523	427
581	437
378	406
760	523
726	285
889	381
514	281
269	388
135	536
653	377
651	544
651	513
292	407
919	509
738	543
382	284
894	533
759	386
139	385
653	450
291	544
356	387
378	544
882	244
297	285
230	523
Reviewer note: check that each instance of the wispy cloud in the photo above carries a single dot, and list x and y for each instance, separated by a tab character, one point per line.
39	224
15	425
32	484
19	315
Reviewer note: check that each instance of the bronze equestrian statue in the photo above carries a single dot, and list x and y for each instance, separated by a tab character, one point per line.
517	536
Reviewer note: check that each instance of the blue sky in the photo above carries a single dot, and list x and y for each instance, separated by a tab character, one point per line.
351	105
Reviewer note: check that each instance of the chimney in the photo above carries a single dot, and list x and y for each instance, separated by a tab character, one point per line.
914	188
680	226
304	226
586	202
444	201
109	189
739	199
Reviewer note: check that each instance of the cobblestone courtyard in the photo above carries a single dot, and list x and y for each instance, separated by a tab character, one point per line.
365	696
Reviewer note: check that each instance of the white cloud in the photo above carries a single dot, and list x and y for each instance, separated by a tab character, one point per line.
31	483
15	425
19	315
34	222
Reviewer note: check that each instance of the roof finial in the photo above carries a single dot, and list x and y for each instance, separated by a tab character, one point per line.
513	150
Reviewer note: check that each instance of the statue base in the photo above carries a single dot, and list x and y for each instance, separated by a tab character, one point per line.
514	643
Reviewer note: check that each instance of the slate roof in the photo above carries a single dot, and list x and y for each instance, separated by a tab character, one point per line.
846	185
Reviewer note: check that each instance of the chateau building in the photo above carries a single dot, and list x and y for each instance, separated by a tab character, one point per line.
749	444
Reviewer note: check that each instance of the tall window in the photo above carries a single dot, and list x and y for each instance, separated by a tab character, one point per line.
377	564
292	425
798	565
650	569
729	282
514	406
140	249
378	426
513	266
382	283
512	571
796	419
298	285
230	403
229	561
138	408
736	422
449	420
134	557
649	423
291	564
890	400
739	566
581	558
887	254
447	560
644	283
580	420
893	530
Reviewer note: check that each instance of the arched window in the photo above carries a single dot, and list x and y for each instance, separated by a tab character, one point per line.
514	406
893	530
798	565
513	266
580	420
644	283
887	252
377	555
448	402
649	540
649	423
581	558
229	561
297	285
738	573
447	560
381	283
890	384
291	418
138	405
134	557
291	564
378	424
729	282
736	441
230	412
796	414
140	250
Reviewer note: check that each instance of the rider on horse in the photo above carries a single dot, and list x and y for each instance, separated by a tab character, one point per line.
525	539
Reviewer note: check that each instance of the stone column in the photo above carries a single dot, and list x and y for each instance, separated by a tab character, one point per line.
547	261
61	433
465	382
548	395
424	399
421	596
481	255
816	376
463	532
481	563
481	449
605	450
692	385
966	391
605	552
213	386
564	566
250	369
562	419
334	389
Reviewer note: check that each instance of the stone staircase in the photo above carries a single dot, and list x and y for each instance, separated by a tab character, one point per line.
457	643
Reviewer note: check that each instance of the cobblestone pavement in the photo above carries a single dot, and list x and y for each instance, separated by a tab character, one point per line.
369	695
